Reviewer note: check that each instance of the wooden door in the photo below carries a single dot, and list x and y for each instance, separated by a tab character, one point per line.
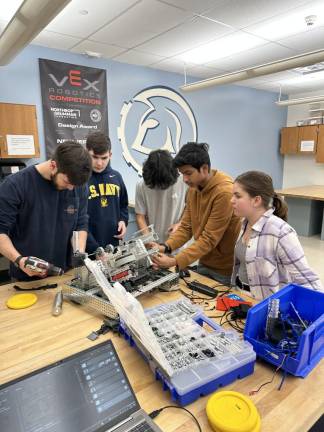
320	145
18	129
289	140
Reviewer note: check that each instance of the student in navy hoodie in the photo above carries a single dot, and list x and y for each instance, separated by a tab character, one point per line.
41	206
108	199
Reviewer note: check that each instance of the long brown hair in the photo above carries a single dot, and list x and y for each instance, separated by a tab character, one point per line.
258	183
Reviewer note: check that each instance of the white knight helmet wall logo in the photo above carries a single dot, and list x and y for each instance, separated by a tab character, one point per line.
167	120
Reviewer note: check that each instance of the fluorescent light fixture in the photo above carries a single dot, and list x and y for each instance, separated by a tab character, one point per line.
300	101
222	47
29	20
260	70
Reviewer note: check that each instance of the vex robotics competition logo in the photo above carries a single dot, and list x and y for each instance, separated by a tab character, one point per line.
156	118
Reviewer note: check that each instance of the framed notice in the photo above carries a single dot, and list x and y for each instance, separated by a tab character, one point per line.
20	145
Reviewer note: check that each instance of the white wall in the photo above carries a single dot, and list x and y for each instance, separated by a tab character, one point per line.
301	170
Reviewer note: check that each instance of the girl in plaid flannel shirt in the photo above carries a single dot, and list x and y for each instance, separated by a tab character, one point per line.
268	254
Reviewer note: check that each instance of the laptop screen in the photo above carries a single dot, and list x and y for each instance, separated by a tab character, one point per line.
87	392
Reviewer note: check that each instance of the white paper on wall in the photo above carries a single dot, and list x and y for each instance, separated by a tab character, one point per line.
307	146
20	145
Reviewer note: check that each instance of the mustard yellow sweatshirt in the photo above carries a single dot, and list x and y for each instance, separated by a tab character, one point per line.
209	218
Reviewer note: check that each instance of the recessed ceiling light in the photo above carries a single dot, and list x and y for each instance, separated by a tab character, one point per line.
83	12
223	47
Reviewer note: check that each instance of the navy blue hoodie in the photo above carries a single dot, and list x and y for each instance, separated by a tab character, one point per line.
39	219
107	205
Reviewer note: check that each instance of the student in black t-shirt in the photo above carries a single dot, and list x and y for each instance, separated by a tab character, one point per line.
41	206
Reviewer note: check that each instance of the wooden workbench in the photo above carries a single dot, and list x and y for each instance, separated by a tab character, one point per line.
314	192
305	209
32	338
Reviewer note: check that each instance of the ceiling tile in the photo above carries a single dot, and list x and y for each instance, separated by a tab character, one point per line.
172	65
147	19
306	41
290	23
2	25
231	44
55	40
8	9
106	50
239	15
279	76
259	85
203	72
138	57
271	86
71	22
192	5
253	57
184	37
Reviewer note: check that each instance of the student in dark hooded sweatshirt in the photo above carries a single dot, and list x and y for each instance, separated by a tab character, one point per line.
108	199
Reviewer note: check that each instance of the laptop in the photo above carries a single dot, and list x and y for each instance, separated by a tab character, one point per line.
86	392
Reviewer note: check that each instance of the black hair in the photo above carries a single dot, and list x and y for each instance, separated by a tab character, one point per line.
98	142
158	170
258	183
194	154
73	160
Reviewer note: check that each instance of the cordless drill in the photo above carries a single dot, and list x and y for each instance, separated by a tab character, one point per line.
38	265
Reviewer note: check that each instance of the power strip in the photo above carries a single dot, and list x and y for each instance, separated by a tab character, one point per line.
202	288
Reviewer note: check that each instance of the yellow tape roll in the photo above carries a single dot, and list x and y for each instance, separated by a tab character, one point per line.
230	411
21	301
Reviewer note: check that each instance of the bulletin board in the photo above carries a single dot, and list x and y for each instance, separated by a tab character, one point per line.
18	131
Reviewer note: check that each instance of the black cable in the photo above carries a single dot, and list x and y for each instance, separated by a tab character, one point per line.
155	413
220	323
213	287
272	378
226	291
43	287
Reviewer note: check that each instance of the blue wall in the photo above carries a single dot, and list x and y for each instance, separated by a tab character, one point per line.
240	124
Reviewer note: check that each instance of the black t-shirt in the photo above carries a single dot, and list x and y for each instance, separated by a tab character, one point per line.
39	219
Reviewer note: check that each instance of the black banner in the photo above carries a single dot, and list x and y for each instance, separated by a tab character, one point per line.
74	102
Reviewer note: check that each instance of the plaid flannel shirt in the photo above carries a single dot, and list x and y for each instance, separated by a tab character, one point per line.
274	258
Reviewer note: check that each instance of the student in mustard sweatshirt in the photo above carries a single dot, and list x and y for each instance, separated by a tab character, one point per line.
208	218
108	199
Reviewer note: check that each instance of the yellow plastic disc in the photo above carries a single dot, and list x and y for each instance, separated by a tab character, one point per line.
21	301
230	411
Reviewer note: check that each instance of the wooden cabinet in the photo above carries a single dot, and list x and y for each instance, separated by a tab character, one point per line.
294	140
320	145
289	140
307	133
18	120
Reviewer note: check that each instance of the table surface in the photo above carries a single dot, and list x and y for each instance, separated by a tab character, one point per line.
32	338
314	192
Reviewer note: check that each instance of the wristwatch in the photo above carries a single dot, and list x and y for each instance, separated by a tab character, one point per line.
167	248
17	260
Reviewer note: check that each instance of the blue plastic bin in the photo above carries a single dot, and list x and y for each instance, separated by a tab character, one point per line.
310	305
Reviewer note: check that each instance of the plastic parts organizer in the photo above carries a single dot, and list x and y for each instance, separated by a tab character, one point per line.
202	355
